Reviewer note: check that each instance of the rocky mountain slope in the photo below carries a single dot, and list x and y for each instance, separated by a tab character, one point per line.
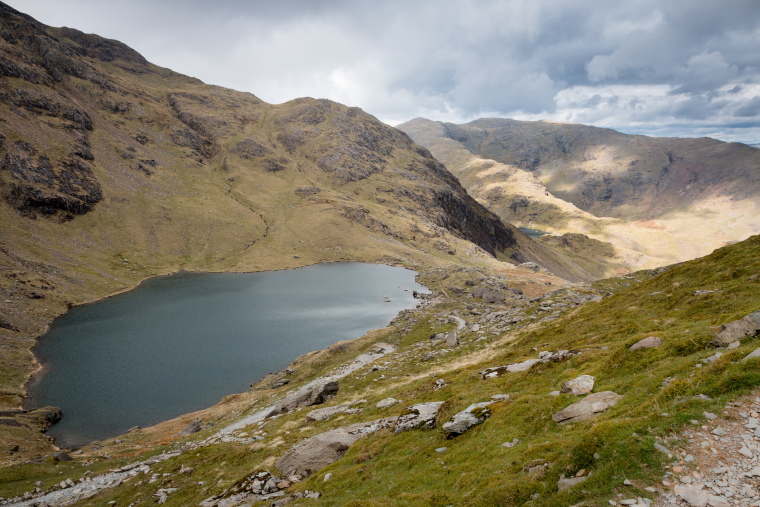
113	170
657	200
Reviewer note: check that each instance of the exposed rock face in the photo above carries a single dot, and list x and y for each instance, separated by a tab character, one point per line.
37	186
314	453
587	407
734	331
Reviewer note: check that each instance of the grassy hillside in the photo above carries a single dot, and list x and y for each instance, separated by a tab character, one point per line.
663	389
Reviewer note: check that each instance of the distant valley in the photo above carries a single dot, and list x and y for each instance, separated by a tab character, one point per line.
656	200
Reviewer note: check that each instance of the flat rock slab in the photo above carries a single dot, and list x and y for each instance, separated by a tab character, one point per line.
314	453
387	402
587	407
692	495
581	385
649	342
471	416
734	331
323	414
420	416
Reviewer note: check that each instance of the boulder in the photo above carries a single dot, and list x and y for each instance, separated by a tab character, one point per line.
734	331
452	340
581	385
493	296
323	414
587	407
420	416
314	453
647	343
314	393
471	416
387	402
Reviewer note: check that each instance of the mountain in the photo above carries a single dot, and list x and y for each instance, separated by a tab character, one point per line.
113	170
657	200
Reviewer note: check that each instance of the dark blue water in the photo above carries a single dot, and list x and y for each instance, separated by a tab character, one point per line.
532	233
180	343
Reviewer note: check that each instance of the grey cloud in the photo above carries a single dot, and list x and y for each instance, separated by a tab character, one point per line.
454	60
750	109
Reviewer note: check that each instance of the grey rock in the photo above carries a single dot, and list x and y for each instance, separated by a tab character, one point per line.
748	325
471	416
452	340
587	407
498	371
193	427
323	414
315	392
646	343
581	385
420	416
565	483
493	296
692	495
752	355
387	402
314	453
662	448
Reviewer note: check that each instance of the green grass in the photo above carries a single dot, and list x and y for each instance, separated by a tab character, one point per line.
386	469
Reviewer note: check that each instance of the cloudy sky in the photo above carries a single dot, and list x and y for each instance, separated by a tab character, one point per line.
676	68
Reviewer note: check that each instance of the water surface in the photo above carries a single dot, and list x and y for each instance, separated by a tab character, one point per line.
532	233
180	343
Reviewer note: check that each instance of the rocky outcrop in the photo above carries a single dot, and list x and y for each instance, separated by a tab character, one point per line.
314	453
419	416
543	357
313	393
471	416
587	407
581	385
735	331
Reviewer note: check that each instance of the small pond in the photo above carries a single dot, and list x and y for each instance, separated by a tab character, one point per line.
532	233
180	343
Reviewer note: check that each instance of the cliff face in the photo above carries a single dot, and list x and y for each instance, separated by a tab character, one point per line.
644	195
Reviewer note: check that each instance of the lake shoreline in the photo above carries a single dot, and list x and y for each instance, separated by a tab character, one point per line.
42	361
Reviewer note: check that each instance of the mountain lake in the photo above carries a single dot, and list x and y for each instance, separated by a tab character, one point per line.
179	343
